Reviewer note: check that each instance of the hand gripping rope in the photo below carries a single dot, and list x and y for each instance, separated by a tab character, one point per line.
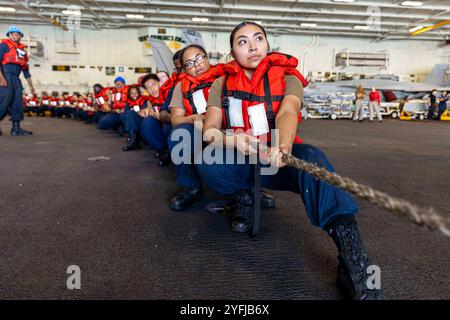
427	217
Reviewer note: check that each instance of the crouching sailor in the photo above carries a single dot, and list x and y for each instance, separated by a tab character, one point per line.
103	101
188	105
155	125
261	92
137	108
115	120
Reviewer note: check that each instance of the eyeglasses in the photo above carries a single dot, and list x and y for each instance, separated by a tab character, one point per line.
197	61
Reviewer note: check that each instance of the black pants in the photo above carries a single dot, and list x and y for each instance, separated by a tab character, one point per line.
431	109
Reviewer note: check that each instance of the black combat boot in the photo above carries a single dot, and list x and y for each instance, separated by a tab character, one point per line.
228	206
164	158
267	200
241	218
120	131
132	142
352	271
186	198
16	130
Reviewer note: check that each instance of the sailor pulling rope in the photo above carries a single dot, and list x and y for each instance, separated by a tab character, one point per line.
427	217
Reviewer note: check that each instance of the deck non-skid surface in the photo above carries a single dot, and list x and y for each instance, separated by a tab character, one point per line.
112	219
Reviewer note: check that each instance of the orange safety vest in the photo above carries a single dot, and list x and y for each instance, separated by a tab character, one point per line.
81	103
191	85
33	102
90	107
54	101
119	97
61	101
177	77
102	98
140	103
266	87
67	102
165	88
16	54
45	101
157	102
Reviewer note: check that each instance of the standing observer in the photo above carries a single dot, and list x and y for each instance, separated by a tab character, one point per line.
14	60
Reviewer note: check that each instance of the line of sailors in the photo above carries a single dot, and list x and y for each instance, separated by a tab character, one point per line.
66	105
237	104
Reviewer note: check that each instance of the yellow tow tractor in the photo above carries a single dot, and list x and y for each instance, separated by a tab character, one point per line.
414	110
446	115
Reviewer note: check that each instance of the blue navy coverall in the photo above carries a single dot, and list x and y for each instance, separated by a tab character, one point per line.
11	95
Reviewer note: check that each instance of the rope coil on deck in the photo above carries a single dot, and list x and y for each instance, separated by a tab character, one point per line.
427	217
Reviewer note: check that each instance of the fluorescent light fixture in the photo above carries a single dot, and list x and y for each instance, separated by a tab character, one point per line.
7	9
416	29
198	19
135	16
412	3
309	25
348	1
361	27
72	12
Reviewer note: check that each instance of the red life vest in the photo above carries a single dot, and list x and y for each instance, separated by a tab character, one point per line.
45	101
33	102
119	97
90	106
81	103
67	101
139	103
16	54
54	102
165	88
157	102
190	85
266	87
177	77
102	98
61	102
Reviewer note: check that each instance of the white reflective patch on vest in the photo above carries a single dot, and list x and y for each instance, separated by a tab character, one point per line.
33	103
258	119
118	96
235	112
45	102
54	103
101	101
136	108
67	103
81	104
20	53
199	101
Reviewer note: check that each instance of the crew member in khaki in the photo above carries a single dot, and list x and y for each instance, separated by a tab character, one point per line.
359	111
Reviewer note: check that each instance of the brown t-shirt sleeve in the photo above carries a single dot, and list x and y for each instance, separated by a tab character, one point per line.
294	87
215	93
177	98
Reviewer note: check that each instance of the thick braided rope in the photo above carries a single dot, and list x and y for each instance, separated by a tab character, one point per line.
422	216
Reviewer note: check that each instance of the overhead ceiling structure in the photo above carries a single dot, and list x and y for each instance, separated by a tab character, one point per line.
379	20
